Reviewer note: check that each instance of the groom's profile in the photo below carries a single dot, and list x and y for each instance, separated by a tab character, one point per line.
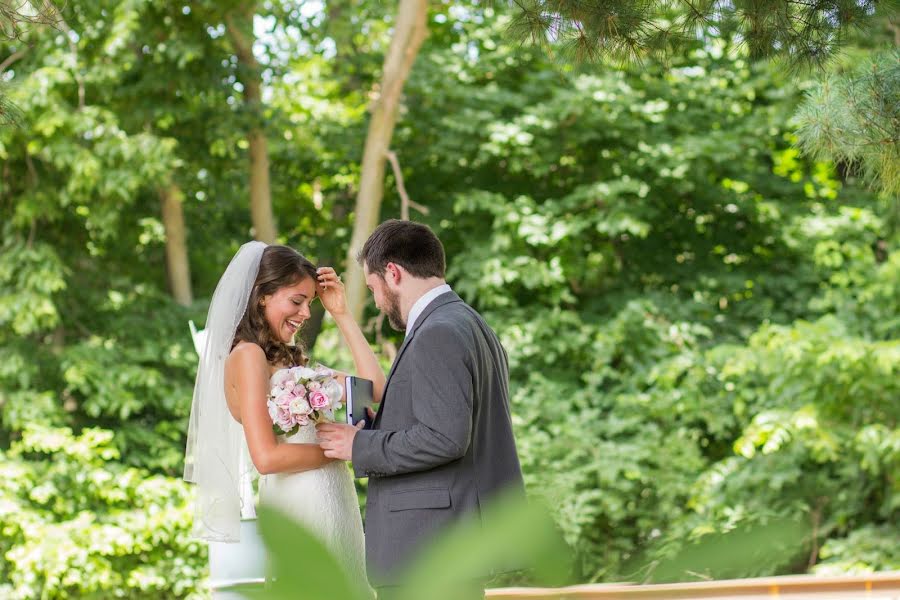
442	443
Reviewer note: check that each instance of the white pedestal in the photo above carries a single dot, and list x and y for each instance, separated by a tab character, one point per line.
243	562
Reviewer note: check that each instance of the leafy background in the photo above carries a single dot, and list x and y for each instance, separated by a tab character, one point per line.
703	322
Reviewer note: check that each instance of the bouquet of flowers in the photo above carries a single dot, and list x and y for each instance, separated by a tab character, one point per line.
299	395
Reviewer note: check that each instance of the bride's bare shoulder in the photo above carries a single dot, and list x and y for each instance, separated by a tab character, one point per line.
246	355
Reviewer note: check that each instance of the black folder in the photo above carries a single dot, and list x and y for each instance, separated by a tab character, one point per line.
359	398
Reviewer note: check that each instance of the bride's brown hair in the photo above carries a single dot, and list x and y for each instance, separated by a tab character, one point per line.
279	266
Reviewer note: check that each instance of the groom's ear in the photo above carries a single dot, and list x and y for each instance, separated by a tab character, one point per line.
394	272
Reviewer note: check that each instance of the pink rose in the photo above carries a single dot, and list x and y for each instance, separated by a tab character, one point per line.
284	420
283	402
318	400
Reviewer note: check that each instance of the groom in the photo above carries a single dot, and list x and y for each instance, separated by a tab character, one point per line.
442	443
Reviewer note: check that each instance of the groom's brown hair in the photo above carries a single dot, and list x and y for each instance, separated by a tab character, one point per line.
411	245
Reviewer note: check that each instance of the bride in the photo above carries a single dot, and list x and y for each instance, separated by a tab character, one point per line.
260	303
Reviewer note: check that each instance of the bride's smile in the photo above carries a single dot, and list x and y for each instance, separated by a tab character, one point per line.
288	308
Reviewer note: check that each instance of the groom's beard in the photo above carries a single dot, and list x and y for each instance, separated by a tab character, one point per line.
392	310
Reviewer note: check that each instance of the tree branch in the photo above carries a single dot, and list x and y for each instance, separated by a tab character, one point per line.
12	58
895	27
32	172
73	47
11	18
405	202
243	48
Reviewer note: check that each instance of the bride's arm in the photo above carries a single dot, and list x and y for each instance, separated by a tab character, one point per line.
331	292
250	376
366	364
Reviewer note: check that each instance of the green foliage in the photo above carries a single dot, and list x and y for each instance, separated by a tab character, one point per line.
731	554
801	31
76	523
30	274
650	246
702	322
866	550
10	114
855	118
514	534
817	413
90	341
321	576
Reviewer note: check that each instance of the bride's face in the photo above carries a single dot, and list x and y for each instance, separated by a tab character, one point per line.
288	308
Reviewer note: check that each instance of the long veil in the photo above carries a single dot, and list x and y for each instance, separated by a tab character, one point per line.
214	457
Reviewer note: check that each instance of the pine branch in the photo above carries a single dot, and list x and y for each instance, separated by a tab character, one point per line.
855	120
10	114
18	16
803	31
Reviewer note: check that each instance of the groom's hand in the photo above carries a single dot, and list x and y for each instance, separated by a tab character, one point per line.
336	439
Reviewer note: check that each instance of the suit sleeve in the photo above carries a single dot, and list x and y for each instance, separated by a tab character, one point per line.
442	396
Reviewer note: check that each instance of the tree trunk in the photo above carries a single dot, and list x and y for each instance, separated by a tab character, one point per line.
313	327
409	33
240	31
260	190
177	265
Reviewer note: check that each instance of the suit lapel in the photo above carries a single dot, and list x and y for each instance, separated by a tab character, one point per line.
441	300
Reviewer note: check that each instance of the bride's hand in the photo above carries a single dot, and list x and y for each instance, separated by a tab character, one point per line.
331	291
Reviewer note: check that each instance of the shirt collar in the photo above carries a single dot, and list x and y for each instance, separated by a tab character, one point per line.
422	302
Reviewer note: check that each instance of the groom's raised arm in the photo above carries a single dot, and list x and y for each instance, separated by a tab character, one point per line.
441	389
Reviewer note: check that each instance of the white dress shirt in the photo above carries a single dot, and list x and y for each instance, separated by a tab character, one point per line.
422	302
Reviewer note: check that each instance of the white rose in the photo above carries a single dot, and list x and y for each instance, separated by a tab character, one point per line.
299	406
303	373
281	376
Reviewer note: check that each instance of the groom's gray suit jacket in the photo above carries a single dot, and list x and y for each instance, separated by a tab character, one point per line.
442	441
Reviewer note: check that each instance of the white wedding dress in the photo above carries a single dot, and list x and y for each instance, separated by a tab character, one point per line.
324	501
